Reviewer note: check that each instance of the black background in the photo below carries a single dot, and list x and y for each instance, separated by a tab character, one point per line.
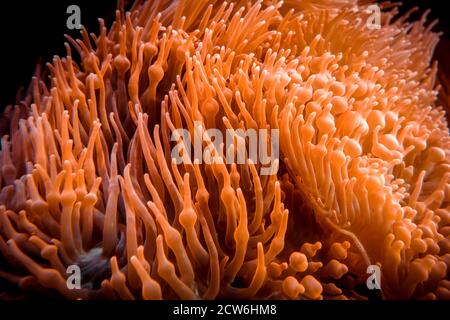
33	31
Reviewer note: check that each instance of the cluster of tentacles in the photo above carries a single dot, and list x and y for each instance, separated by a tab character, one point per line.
87	176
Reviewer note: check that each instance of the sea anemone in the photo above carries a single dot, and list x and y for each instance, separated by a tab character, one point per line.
88	179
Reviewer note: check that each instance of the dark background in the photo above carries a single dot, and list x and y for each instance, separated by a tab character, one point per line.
33	31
